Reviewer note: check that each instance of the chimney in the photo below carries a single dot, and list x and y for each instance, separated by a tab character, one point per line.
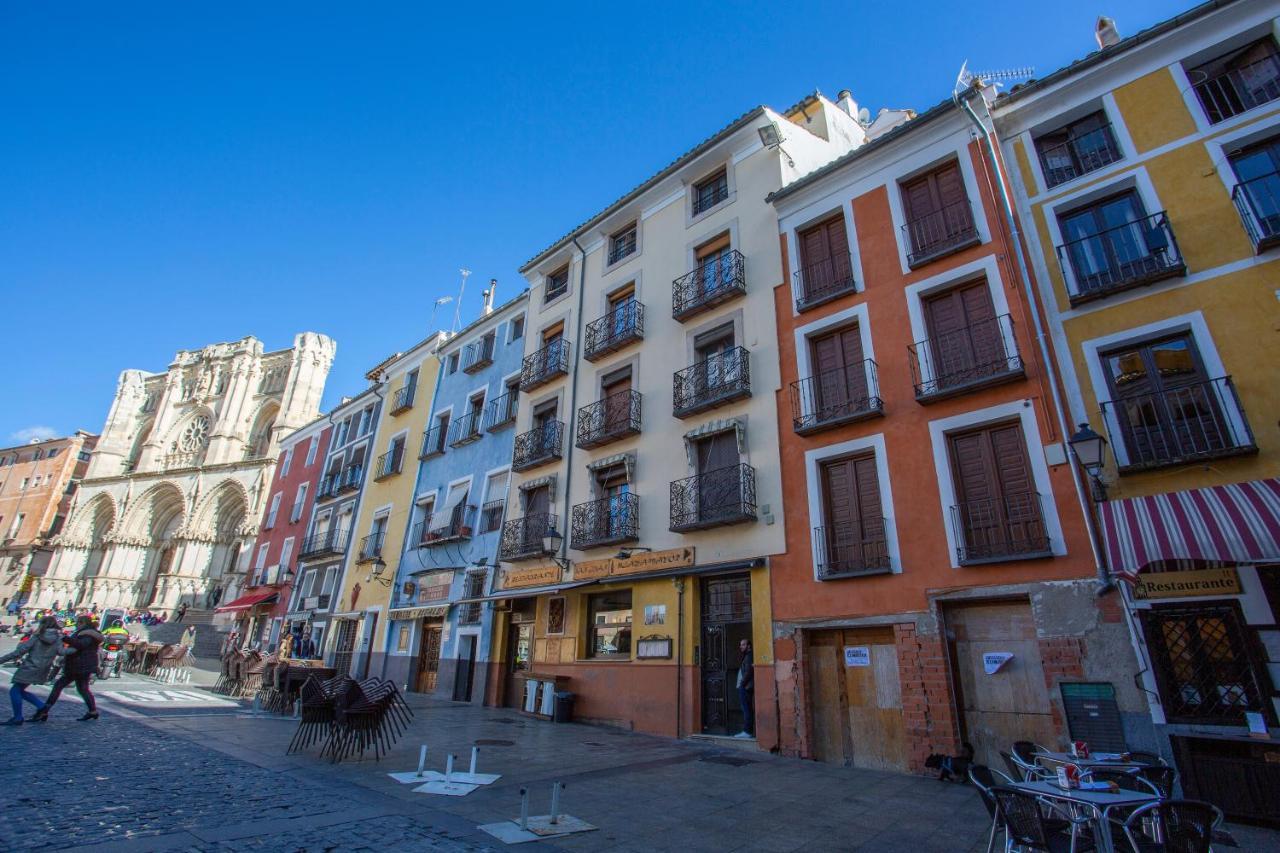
845	101
1105	32
488	296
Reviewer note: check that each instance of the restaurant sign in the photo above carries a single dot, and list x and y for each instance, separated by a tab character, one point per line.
1184	584
649	561
533	576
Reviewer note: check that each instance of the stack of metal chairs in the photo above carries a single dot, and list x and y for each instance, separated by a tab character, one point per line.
349	717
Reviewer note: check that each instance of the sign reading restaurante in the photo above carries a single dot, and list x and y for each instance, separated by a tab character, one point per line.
652	561
1182	584
532	576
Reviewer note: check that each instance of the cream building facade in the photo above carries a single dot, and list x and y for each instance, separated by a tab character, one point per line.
170	503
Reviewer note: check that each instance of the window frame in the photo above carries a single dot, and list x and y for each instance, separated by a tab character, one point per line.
593	627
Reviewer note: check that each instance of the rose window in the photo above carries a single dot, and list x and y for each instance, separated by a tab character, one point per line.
195	435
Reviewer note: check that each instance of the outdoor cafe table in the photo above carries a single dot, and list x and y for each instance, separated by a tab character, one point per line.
1098	804
1092	761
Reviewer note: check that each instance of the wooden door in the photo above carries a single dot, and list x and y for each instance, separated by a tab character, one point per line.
854	524
999	510
719	485
856	704
824	258
428	659
1013	703
726	621
964	338
519	659
840	379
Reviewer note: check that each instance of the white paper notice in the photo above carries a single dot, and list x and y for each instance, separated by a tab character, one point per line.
993	661
857	656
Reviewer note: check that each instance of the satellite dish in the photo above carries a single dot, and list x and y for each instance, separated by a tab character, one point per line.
864	116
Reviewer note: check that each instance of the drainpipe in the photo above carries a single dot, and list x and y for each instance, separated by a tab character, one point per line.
573	399
679	585
1082	495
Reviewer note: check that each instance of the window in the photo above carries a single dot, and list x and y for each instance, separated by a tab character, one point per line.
286	554
555	615
557	284
311	451
710	192
340	436
1114	244
366	421
939	219
402	638
472	587
998	514
53	451
517	328
838	387
37	455
299	502
330	578
1257	195
308	585
1238	81
273	511
967	342
609	623
285	459
16	527
852	540
622	244
826	269
1076	149
83	456
25	482
262	556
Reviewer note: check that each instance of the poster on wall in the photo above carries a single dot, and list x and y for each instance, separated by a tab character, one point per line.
993	662
857	656
655	614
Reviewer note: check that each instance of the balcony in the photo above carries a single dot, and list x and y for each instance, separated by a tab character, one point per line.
465	429
718	381
538	446
1239	89
614	417
316	602
491	515
548	363
371	547
1176	426
501	411
441	527
610	333
479	355
433	442
328	487
940	233
720	497
1258	201
956	362
849	554
997	530
522	537
821	282
1079	155
1134	254
389	464
329	543
351	479
715	281
402	400
833	397
609	521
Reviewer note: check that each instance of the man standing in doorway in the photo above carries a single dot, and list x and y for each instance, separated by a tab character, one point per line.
746	690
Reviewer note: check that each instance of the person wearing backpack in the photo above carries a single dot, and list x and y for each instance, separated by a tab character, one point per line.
37	654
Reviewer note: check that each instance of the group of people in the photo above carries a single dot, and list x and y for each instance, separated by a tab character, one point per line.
36	656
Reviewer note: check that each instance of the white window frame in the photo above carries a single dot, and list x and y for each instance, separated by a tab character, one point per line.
813	460
299	502
312	449
273	511
811	215
286	459
261	560
1105	102
855	314
286	553
930	158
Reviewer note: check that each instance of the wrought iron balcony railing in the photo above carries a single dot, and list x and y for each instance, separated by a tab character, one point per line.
940	233
1134	254
608	521
709	195
325	543
545	365
714	281
622	246
824	280
1239	89
328	487
1189	423
621	326
616	416
994	530
848	553
351	479
838	396
491	515
715	498
441	527
478	355
501	411
389	463
1078	155
717	381
538	446
433	441
402	400
371	547
522	537
985	353
1258	201
465	429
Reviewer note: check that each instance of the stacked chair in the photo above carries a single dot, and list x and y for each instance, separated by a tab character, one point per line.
350	717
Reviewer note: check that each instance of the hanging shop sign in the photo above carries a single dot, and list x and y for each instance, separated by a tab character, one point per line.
590	570
532	576
648	561
1184	584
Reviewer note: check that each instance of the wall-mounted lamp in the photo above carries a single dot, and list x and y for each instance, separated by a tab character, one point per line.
1090	450
551	541
378	568
771	136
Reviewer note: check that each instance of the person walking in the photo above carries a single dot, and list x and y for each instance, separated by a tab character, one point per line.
747	690
37	653
182	611
81	650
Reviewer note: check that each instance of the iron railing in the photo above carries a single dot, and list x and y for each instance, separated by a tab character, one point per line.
440	527
621	246
556	286
714	498
322	544
993	530
715	280
974	356
1258	201
478	355
491	515
708	195
939	233
465	429
522	537
501	411
352	477
328	487
545	365
1078	155
844	553
389	463
1136	253
433	441
837	396
472	587
403	398
823	281
1192	422
621	326
538	446
1238	90
720	379
614	417
607	521
371	547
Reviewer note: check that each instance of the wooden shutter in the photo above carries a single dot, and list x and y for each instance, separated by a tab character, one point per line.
963	334
999	511
537	501
717	451
919	198
839	375
854	516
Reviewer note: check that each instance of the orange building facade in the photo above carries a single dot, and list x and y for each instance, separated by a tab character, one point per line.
939	585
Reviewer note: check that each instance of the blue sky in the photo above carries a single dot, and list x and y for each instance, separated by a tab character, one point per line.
172	176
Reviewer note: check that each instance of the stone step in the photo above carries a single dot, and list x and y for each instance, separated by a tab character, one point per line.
721	741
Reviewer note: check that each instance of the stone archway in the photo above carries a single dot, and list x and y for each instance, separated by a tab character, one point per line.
221	527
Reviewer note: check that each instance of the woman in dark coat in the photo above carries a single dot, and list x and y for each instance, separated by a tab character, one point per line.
37	654
81	650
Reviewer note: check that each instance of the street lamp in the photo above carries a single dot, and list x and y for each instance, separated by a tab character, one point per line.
379	566
551	541
1090	450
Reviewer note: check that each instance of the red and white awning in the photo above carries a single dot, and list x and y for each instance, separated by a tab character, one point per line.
1234	524
245	602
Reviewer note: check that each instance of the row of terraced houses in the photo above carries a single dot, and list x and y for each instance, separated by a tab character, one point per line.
965	419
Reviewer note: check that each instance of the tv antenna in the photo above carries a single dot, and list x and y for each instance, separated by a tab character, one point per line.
457	307
966	77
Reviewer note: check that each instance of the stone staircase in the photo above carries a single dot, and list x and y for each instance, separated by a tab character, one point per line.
208	645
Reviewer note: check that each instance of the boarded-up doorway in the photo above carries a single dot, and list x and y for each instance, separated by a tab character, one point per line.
856	699
1011	704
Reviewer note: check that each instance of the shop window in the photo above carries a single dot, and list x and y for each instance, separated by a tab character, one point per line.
555	615
609	620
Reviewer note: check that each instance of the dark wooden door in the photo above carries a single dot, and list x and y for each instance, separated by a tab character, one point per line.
519	659
824	258
840	378
466	668
854	523
726	621
719	483
617	405
428	659
998	508
964	338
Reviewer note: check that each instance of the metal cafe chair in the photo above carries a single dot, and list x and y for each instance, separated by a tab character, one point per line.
1021	770
1172	826
985	778
1027	826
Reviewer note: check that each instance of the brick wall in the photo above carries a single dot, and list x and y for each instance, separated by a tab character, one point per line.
1063	660
928	705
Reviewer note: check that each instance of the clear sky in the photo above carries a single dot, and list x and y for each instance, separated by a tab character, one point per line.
171	176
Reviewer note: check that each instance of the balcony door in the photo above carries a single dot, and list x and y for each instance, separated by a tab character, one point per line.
718	361
622	313
824	259
617	402
854	534
998	512
1166	407
613	486
937	210
715	266
1111	242
1258	170
964	338
719	483
840	380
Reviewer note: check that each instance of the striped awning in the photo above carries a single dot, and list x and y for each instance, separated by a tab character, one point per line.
1234	524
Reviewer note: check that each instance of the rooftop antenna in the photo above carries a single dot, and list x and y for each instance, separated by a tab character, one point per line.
457	307
443	300
966	77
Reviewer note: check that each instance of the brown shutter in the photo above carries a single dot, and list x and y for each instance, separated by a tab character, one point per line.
950	185
999	511
854	519
918	198
963	333
837	365
537	501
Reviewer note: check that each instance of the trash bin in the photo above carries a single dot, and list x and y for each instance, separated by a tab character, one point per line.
564	707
